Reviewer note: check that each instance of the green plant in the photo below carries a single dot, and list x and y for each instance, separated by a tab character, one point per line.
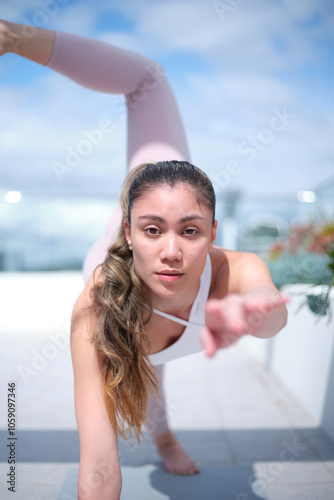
306	256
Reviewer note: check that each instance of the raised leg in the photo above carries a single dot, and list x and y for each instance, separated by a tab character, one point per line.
155	130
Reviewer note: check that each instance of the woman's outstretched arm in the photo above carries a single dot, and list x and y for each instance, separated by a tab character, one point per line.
252	306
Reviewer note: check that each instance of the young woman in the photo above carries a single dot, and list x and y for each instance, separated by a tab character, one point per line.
156	286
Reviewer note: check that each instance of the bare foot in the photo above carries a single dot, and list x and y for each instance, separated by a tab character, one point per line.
30	42
11	38
175	459
4	32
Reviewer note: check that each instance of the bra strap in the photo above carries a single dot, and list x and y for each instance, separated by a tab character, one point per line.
173	318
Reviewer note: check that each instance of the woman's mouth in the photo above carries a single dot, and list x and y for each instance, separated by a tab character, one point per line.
169	276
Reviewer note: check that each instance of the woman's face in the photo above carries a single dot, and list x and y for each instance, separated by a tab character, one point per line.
170	236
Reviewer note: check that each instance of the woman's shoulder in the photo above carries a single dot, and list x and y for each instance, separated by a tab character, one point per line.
228	266
221	258
220	272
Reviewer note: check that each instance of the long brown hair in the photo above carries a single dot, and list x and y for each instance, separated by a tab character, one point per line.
123	305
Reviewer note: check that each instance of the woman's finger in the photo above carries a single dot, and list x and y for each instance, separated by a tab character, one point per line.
208	342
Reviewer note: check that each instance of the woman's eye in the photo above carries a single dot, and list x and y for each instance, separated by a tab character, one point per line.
152	231
191	232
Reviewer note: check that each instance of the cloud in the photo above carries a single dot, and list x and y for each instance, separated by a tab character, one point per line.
231	111
78	18
63	15
41	123
13	11
257	35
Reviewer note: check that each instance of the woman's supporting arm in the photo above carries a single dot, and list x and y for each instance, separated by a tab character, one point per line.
99	472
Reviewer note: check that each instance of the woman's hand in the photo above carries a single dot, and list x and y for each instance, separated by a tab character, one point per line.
261	312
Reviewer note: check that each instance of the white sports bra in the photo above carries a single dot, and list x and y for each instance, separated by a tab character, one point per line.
189	342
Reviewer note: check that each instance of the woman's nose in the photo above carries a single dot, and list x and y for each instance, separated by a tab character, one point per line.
171	248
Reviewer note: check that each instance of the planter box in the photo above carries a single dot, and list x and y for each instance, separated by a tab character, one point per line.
302	356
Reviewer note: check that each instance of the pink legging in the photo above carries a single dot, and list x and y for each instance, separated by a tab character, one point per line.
155	132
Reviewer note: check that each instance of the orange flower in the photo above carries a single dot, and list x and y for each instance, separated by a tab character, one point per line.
276	250
315	237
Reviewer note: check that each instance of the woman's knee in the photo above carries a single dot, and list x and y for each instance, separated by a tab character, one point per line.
154	75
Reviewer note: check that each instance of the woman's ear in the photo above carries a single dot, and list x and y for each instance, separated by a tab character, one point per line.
127	233
213	234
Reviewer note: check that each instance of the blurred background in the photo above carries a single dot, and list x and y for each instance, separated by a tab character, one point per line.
254	84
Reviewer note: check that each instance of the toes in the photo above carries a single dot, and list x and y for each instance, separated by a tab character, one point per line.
183	472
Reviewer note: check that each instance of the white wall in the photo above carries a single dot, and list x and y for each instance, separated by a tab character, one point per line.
302	356
36	303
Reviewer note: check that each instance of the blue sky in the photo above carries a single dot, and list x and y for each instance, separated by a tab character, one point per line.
253	79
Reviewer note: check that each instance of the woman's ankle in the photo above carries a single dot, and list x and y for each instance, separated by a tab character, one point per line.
165	439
